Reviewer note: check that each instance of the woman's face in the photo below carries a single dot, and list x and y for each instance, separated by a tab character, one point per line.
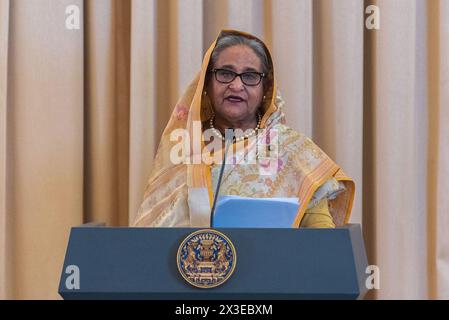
235	101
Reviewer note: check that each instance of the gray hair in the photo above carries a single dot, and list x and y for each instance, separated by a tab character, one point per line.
230	40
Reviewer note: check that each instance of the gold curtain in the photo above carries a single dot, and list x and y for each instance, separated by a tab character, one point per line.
81	112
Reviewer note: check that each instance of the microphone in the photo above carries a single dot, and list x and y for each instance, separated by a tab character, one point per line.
229	137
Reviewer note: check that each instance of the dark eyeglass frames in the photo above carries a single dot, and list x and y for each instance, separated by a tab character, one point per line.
250	78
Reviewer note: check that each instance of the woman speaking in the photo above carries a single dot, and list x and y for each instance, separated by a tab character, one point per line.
236	89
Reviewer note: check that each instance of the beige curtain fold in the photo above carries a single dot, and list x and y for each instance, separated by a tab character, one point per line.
81	113
44	144
438	149
4	201
397	173
337	105
107	116
143	126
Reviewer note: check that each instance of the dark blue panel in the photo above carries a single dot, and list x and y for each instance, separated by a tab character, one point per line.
140	263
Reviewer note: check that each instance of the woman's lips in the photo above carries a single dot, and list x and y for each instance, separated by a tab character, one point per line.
235	99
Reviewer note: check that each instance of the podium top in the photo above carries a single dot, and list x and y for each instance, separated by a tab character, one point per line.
140	263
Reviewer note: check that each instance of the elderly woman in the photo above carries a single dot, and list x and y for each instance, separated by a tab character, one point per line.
236	89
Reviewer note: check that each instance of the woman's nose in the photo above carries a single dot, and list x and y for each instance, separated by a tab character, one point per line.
237	84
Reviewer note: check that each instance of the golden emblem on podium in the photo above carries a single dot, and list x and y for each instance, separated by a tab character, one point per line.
206	258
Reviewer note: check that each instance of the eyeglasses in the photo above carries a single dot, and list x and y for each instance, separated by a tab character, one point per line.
250	78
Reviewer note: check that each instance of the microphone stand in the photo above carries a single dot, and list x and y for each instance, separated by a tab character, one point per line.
228	141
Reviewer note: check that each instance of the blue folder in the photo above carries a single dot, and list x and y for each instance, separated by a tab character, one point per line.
241	212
